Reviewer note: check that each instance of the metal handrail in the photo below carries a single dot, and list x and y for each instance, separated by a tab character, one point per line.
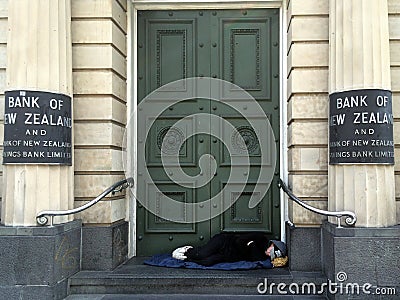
42	217
351	216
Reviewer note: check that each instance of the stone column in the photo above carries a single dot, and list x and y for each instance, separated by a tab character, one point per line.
359	59
39	53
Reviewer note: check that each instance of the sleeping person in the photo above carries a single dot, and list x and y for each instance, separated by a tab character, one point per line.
232	247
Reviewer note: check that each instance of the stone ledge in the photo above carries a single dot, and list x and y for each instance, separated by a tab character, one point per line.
36	262
57	291
39	230
104	247
304	257
372	232
363	256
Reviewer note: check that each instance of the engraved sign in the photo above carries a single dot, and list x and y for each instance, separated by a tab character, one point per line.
361	127
37	128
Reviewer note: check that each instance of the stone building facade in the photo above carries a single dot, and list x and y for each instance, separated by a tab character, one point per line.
88	49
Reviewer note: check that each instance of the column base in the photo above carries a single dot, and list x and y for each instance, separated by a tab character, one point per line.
104	247
36	262
361	257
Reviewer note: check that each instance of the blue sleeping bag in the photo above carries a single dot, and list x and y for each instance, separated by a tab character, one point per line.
166	260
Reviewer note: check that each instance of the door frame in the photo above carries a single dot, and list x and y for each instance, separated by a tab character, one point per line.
132	65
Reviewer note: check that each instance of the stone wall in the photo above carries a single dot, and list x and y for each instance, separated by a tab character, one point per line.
307	96
394	32
99	31
307	75
3	65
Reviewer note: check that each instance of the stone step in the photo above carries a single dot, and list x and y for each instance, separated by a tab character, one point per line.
187	296
135	278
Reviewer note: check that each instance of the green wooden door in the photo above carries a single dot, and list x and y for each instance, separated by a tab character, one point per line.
239	46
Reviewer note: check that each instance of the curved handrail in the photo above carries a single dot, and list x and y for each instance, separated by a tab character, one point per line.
351	216
42	217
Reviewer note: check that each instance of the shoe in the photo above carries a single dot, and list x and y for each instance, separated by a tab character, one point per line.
179	253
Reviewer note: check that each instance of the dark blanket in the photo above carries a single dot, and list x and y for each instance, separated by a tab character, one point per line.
166	260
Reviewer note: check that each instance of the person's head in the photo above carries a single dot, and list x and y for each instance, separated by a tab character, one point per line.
276	249
269	249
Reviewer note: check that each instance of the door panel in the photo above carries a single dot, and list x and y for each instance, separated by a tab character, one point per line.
246	57
239	217
167	52
156	224
240	47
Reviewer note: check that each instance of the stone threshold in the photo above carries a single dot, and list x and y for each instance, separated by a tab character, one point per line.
134	277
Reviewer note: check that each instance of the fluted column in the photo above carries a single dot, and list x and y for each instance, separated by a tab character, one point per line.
39	57
359	59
